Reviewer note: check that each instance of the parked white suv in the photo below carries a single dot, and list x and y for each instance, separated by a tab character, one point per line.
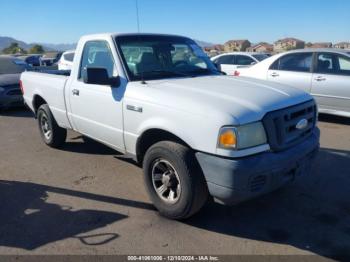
159	99
325	73
229	62
66	60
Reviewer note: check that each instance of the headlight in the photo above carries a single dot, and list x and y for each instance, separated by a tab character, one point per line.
241	137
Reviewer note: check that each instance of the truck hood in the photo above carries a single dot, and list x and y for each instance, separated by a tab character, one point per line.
244	99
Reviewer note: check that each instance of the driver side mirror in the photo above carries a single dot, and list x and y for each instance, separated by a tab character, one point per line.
99	76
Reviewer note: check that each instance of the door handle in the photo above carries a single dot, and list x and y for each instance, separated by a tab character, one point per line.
274	74
134	108
320	78
75	92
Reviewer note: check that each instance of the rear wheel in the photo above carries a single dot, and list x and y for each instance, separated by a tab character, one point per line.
174	180
51	133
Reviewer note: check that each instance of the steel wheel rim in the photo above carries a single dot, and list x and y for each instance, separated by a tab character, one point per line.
166	181
45	127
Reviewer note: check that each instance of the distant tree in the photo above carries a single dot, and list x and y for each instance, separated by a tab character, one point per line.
36	49
14	48
308	44
288	48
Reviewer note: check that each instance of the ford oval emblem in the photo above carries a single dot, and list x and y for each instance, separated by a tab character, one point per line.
301	124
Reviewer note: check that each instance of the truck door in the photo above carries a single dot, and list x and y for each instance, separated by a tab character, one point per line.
96	110
331	81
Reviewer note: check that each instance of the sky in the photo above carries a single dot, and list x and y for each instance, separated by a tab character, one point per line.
63	21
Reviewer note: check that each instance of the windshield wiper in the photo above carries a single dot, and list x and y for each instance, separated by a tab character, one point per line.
206	70
166	72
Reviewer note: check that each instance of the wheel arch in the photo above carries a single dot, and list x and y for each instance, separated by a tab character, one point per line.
154	135
37	102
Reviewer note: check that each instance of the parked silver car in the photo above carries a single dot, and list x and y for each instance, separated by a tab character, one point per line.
325	73
10	72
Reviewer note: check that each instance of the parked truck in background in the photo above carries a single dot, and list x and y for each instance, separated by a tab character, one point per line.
196	132
50	58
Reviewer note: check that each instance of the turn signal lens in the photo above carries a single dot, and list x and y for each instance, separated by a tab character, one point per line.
227	138
242	137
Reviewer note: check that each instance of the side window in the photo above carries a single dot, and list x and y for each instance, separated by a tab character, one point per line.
69	57
97	54
328	63
344	65
244	60
225	59
300	62
275	65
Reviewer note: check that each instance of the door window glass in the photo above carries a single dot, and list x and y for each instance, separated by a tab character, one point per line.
300	62
69	57
97	54
344	63
296	62
225	60
260	57
244	60
328	63
325	63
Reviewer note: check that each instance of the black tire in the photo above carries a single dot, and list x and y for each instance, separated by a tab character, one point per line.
58	134
194	191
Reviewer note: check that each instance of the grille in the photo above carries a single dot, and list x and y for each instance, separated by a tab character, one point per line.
281	129
257	183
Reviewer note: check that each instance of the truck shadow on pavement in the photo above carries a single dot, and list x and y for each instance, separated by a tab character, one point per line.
28	221
82	145
334	119
313	214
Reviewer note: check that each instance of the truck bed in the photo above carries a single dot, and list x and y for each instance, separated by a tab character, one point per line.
50	86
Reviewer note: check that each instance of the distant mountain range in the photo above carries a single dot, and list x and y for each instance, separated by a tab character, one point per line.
6	41
58	47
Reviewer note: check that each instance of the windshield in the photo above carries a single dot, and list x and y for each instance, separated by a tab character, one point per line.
156	56
260	57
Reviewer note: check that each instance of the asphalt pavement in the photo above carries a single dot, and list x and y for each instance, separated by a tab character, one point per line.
87	199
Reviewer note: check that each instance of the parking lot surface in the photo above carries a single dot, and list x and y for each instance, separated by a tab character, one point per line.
87	199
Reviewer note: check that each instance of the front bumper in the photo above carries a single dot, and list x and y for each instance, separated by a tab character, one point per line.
235	180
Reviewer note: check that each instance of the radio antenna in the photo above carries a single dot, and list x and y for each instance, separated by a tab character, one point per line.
138	30
137	15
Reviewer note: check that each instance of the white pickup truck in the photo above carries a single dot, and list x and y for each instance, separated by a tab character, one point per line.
196	132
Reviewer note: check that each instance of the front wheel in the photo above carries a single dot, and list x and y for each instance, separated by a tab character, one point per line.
174	180
53	135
